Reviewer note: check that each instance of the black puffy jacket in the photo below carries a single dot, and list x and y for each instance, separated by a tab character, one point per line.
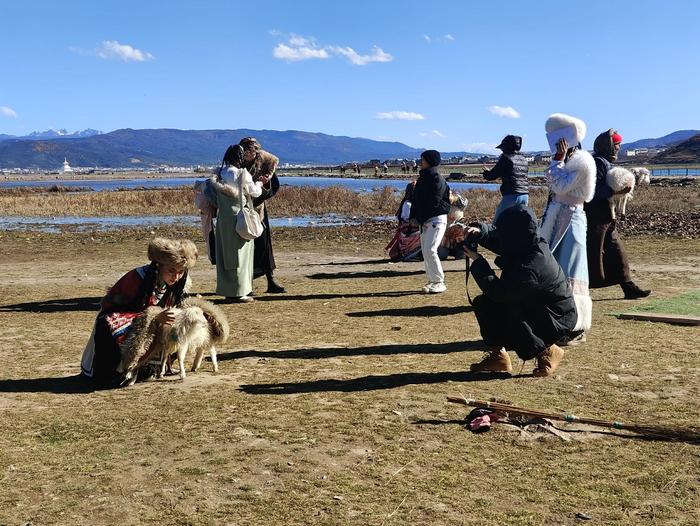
532	284
511	169
431	196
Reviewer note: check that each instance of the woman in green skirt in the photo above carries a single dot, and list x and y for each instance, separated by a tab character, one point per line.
234	255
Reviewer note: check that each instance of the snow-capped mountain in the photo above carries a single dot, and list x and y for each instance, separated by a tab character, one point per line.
61	134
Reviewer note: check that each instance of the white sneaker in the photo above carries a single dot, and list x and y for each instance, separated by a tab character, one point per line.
437	288
426	287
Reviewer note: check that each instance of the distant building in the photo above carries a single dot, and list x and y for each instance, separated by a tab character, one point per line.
66	167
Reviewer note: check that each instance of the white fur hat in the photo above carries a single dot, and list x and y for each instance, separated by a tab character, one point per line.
557	121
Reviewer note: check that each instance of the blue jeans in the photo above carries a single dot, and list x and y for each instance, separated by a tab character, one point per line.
510	200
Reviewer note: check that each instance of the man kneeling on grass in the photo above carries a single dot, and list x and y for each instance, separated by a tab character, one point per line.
530	306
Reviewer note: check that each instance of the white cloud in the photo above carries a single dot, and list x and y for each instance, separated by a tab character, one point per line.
111	49
504	111
433	133
377	55
399	116
440	38
298	48
295	54
8	112
480	147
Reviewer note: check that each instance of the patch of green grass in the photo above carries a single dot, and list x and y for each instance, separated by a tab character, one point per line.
685	304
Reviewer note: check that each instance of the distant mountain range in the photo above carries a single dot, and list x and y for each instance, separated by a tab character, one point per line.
661	142
685	152
147	148
155	147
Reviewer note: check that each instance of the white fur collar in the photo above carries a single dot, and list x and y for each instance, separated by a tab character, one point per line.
224	188
582	163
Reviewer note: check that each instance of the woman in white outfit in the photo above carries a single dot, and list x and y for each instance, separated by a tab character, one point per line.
429	208
571	177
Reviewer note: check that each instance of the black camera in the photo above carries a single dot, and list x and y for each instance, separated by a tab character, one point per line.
471	241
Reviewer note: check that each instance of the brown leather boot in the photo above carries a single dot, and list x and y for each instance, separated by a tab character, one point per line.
494	361
548	360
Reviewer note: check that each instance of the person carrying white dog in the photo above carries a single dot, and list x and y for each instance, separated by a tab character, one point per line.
161	282
607	261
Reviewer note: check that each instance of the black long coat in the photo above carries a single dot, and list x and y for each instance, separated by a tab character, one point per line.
532	286
264	257
264	164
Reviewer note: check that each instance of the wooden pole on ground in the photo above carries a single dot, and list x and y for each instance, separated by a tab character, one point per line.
668	432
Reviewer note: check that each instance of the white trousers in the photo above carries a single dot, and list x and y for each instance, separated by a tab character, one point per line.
431	233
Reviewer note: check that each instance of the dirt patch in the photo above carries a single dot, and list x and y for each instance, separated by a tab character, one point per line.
329	408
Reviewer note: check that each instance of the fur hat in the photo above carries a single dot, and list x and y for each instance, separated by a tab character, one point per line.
557	121
250	143
179	253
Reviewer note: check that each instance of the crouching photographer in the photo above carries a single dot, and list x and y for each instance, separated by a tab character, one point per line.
530	306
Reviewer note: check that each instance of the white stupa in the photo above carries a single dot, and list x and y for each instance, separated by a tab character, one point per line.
66	167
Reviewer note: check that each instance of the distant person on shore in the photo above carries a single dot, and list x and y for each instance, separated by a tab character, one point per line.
607	261
161	282
429	208
413	165
385	168
234	255
376	170
512	170
262	166
529	307
571	179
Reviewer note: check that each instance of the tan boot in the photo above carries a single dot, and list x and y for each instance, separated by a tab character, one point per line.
548	360
495	361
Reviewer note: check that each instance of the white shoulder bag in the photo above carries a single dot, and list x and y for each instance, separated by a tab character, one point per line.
248	224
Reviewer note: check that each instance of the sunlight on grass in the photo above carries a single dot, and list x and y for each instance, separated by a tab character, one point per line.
686	304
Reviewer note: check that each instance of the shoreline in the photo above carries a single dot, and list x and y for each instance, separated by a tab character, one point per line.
671	180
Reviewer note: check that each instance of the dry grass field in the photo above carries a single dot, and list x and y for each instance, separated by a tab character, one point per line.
329	407
666	203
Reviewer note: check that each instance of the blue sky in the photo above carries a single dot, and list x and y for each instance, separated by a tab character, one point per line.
452	75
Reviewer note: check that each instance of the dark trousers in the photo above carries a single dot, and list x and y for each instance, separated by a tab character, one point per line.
607	261
502	327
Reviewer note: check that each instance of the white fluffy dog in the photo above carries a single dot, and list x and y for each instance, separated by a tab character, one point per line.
199	326
188	333
619	178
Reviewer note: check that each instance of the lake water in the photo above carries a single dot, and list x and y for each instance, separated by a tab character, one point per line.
91	224
357	185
